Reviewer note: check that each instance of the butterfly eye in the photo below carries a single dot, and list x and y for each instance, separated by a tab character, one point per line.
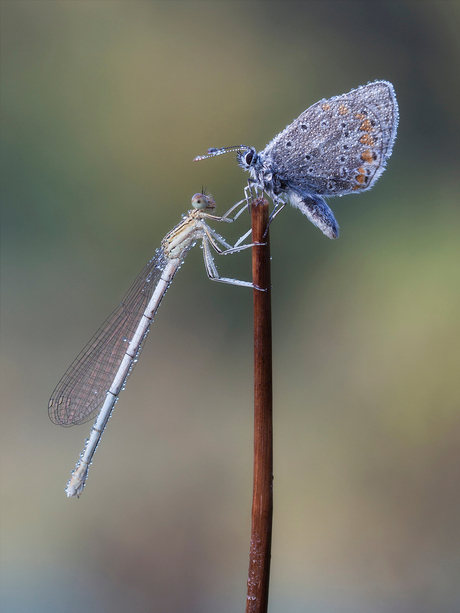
248	158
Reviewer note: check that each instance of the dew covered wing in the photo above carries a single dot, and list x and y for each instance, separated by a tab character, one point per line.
337	146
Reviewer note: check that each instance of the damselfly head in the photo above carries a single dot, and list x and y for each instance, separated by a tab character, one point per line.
203	200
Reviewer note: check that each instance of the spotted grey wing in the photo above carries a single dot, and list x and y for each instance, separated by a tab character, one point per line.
83	388
338	146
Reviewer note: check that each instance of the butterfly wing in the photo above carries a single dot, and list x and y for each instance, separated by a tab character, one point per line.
337	146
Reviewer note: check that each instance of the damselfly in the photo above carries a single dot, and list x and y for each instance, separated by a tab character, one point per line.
98	374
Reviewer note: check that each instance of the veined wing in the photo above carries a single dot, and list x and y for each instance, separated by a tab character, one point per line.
83	388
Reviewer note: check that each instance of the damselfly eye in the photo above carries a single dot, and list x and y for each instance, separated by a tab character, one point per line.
203	201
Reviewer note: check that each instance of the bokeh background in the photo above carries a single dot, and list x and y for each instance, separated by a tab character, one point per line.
104	106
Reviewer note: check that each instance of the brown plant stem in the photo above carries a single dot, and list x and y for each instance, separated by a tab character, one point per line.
262	502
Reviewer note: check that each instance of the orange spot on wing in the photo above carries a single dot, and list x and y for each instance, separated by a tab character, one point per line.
366	139
343	110
366	126
361	178
367	156
325	106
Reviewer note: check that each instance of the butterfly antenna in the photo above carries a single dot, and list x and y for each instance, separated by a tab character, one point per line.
213	151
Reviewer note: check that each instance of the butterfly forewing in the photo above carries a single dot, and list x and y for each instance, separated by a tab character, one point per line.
338	146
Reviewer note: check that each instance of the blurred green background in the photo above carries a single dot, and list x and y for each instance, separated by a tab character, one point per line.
104	106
